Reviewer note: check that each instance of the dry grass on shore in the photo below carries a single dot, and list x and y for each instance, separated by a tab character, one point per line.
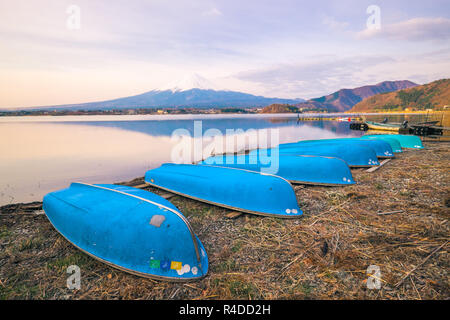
395	218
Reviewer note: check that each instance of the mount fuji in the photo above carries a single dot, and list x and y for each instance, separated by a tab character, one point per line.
192	91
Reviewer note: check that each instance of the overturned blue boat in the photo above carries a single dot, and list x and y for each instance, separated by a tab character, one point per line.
356	156
395	144
381	148
236	189
313	170
406	141
127	228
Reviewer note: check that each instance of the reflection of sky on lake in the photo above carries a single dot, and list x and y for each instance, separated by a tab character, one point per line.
39	157
41	154
157	127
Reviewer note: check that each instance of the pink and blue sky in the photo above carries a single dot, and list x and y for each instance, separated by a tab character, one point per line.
288	49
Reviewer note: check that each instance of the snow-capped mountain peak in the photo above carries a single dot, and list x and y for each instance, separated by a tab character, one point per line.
191	81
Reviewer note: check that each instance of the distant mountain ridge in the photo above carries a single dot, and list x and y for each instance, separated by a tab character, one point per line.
199	98
192	91
433	95
195	91
345	99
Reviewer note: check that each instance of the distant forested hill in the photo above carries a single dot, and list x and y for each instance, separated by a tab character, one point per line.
345	99
434	95
279	108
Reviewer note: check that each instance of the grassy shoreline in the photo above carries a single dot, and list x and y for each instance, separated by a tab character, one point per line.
395	218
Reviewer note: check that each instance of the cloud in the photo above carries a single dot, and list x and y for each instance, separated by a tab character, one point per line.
315	77
333	24
212	12
302	49
416	29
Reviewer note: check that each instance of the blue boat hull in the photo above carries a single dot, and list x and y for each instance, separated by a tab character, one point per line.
236	189
395	145
297	169
130	229
382	148
354	157
406	141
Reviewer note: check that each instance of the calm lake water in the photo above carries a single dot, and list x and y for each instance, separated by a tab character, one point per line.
42	154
